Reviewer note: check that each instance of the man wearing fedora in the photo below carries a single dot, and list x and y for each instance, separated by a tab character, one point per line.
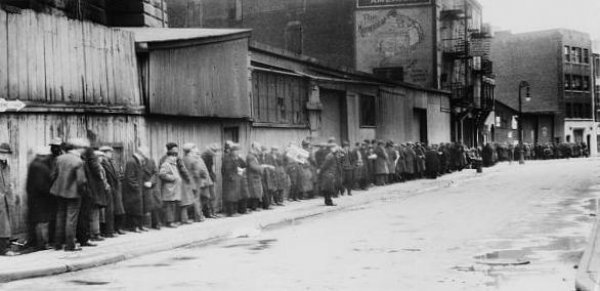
6	201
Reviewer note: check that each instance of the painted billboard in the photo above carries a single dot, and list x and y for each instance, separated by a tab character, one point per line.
378	3
396	38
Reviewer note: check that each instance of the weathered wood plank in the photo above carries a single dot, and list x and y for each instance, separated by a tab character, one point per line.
3	56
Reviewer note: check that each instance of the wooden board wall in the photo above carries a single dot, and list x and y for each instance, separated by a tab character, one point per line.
51	59
26	132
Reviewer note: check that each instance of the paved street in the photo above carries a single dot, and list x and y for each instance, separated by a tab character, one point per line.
512	228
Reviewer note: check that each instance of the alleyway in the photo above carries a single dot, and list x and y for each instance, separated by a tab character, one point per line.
512	228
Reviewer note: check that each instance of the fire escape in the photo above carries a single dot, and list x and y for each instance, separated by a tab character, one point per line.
468	73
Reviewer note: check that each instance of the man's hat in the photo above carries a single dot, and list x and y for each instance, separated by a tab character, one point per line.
56	142
106	149
5	148
188	147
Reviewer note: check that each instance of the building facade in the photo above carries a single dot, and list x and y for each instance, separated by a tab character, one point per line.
438	44
557	64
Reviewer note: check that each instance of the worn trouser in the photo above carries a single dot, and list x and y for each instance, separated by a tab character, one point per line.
198	215
207	206
109	216
267	199
67	214
243	206
348	180
169	208
4	245
183	213
42	234
95	221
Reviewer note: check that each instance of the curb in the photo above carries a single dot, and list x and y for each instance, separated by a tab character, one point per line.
588	270
175	243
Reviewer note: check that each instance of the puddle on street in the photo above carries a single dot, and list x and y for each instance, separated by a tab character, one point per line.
258	245
184	258
505	257
89	283
149	265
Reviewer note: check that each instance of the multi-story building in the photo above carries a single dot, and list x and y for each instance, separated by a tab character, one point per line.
438	44
557	64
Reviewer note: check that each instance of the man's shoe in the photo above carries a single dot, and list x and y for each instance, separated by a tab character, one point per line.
73	249
143	229
97	238
88	244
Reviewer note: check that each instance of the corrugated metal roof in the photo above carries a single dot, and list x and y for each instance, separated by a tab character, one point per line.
146	34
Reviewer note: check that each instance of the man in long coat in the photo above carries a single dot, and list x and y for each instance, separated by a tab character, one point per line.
392	160
40	203
98	189
133	191
209	197
171	187
328	176
411	162
6	201
432	162
381	164
254	172
115	207
232	179
349	166
199	174
189	189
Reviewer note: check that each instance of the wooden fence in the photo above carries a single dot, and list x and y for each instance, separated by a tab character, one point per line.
52	59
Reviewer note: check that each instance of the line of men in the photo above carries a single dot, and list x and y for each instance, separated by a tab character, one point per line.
78	195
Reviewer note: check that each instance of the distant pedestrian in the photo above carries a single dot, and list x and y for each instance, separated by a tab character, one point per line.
209	197
328	175
231	169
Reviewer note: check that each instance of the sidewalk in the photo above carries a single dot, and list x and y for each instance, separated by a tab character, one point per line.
131	245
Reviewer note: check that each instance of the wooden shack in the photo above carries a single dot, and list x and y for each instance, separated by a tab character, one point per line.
77	79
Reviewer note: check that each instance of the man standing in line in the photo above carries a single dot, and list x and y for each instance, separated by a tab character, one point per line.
69	185
328	175
40	203
198	172
133	190
208	198
6	201
115	208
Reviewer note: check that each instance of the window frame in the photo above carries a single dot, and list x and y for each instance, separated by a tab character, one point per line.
363	110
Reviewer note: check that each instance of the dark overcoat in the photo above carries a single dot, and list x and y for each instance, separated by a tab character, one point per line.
152	195
328	173
432	163
113	176
96	178
232	180
7	202
254	176
133	183
40	203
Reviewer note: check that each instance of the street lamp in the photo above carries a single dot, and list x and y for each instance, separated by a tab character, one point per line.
523	84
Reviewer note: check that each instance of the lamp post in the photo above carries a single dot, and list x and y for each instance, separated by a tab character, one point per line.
523	84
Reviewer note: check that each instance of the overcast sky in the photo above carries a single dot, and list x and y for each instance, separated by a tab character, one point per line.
529	15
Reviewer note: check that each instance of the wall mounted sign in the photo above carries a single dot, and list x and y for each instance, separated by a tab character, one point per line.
379	3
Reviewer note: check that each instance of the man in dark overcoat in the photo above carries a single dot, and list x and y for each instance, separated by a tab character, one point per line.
208	198
88	227
115	207
432	162
40	203
7	201
133	190
328	176
381	164
232	178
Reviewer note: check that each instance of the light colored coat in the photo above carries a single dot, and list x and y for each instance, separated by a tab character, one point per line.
6	203
171	182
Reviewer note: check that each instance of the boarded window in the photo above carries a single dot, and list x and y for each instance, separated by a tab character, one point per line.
293	37
392	73
367	111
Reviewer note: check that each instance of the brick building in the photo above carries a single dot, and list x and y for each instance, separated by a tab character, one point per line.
438	44
558	66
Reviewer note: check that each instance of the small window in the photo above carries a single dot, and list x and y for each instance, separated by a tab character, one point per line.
293	37
586	56
586	84
568	110
568	82
574	56
367	110
575	82
567	52
579	56
281	109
